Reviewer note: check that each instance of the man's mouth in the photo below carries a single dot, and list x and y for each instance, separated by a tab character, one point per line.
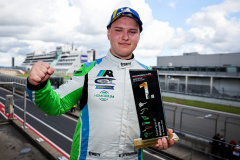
124	44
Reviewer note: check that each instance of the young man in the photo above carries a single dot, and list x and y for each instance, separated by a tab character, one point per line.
108	121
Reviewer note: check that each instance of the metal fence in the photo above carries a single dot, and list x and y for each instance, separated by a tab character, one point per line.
13	85
196	127
200	90
56	81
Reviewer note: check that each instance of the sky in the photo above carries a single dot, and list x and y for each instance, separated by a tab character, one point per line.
170	27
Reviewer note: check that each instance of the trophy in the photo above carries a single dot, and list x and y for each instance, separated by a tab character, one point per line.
150	109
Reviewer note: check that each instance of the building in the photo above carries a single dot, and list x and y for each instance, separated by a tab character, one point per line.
214	75
65	60
13	62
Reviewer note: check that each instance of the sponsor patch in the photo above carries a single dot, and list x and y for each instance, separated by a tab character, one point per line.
105	81
103	95
126	64
94	154
104	87
103	73
128	154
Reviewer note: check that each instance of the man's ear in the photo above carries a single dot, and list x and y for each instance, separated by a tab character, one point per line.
108	33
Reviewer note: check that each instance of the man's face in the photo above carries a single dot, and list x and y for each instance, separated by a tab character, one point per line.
123	35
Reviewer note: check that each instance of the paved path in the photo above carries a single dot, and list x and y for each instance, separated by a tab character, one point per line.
9	72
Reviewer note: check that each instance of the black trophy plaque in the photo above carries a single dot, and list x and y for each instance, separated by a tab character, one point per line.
149	106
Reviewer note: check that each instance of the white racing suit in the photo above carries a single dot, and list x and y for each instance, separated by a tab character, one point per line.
108	122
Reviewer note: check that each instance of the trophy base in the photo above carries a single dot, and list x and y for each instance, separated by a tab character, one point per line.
139	143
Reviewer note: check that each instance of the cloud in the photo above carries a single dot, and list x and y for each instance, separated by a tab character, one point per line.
172	4
9	43
45	24
156	35
212	29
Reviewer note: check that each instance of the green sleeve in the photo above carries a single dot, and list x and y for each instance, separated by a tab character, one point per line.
59	101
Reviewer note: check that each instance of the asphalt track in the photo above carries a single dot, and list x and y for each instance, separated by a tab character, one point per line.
57	130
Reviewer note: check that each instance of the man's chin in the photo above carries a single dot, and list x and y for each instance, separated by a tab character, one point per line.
124	55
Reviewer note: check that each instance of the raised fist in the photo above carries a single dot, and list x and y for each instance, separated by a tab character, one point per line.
40	72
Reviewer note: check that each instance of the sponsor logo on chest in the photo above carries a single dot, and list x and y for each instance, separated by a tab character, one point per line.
104	95
104	73
105	81
104	87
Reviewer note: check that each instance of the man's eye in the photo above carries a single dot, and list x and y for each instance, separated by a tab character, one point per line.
118	30
133	32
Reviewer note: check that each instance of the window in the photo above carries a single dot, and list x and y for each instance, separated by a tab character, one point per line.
185	68
211	69
232	69
178	68
164	68
221	69
193	69
171	68
202	69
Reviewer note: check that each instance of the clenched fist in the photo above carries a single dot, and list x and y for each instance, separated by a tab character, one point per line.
40	72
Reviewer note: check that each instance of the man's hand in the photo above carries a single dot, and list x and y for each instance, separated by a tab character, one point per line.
40	72
163	144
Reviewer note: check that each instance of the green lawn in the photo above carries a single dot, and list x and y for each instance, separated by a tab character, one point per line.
64	76
23	75
205	105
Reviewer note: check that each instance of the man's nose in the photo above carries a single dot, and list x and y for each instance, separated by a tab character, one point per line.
125	35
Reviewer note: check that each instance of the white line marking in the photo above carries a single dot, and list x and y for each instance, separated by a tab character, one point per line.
15	94
40	134
45	124
42	122
62	114
70	118
153	155
185	155
43	136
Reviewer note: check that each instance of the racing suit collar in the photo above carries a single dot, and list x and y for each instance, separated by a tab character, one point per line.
121	63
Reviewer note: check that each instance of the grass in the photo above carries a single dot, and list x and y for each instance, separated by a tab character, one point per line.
23	75
65	76
216	107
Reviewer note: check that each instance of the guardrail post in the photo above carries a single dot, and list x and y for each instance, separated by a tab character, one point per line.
174	118
24	113
225	128
191	154
181	121
13	89
216	125
13	92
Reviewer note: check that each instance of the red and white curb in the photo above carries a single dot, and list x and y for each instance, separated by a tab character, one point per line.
7	116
